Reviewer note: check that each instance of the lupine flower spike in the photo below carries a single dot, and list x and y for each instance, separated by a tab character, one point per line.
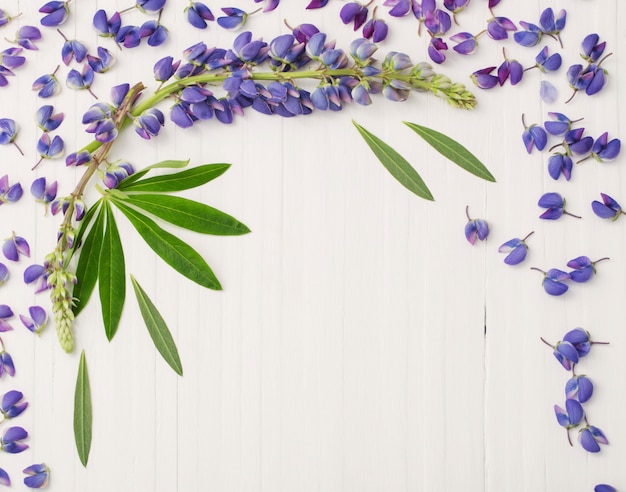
608	208
475	228
516	249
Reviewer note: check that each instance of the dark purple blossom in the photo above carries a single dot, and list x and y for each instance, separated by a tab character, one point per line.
554	204
602	487
530	36
547	63
592	49
484	78
375	29
510	70
608	208
101	63
565	353
591	79
198	14
165	68
128	36
72	50
466	42
575	142
436	48
316	4
604	150
81	80
78	158
516	249
151	6
581	340
154	31
107	26
355	13
560	164
559	125
56	13
234	19
35	273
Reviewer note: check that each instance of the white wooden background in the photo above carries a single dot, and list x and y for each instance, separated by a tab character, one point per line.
360	343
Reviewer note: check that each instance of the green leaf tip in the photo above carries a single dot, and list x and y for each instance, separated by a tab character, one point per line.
82	411
453	150
397	165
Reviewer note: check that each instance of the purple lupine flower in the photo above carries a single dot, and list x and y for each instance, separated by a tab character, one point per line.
475	228
9	193
436	48
554	204
6	18
560	164
510	70
198	14
268	5
101	63
35	273
107	26
47	85
128	36
354	12
81	80
552	25
8	133
12	404
565	353
37	476
608	209
466	43
6	364
149	123
547	92
362	50
49	148
4	274
484	79
399	8
592	50
583	267
63	205
571	416
304	32
581	341
554	282
316	4
56	13
78	158
533	136
375	29
591	79
11	440
116	172
37	319
530	36
579	388
26	35
234	19
47	121
165	68
151	6
560	125
547	63
516	249
4	478
576	143
5	313
602	487
604	150
155	32
591	437
498	28
43	192
72	50
436	21
15	246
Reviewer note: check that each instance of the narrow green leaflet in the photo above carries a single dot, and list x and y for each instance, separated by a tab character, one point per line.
189	214
82	411
176	253
182	180
157	329
88	264
112	275
452	150
159	165
395	164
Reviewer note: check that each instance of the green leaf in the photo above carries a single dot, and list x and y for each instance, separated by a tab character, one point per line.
183	180
112	275
82	229
159	165
82	411
88	264
395	164
189	214
157	329
176	253
453	150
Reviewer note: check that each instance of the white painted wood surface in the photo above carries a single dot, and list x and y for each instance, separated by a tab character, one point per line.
360	343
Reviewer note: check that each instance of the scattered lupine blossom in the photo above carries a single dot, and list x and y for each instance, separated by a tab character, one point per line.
554	204
37	476
554	281
608	208
516	249
583	268
37	320
15	246
475	228
533	136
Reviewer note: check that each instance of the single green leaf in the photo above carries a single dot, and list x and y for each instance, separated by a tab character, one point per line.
452	150
82	229
88	264
189	214
159	165
395	164
112	275
157	329
183	180
82	411
176	253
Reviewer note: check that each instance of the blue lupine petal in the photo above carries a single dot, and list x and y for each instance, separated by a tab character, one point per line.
5	311
33	273
576	336
551	199
602	487
582	275
9	249
546	20
585	389
567	350
539	136
580	262
561	416
4	478
517	255
548	92
554	288
588	442
574	410
510	245
598	435
471	232
526	38
597	82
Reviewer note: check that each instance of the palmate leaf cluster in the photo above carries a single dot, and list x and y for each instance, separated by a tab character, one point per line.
147	203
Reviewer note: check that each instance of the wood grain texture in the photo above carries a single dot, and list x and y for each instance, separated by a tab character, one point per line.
360	343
